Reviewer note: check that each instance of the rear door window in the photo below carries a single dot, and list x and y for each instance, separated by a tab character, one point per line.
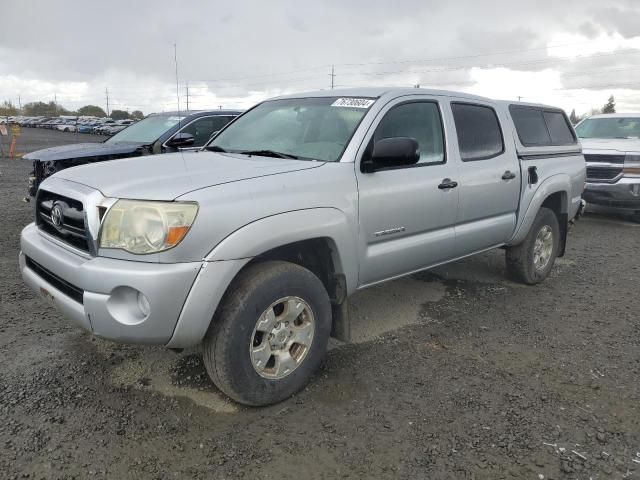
479	132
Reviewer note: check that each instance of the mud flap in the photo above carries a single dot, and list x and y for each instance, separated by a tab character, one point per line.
341	327
564	229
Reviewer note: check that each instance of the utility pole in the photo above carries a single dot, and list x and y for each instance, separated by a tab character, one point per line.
333	76
55	103
19	103
106	93
187	96
519	98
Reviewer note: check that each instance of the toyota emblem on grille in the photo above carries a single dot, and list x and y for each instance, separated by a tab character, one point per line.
56	216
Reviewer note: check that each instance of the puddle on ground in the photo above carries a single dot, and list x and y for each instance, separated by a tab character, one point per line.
159	370
383	308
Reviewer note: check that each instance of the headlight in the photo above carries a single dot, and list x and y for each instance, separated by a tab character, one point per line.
632	165
146	227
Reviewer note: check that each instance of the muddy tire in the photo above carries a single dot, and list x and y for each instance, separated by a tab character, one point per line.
269	334
531	261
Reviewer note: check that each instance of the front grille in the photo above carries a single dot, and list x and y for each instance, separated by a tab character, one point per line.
76	293
603	173
72	228
617	159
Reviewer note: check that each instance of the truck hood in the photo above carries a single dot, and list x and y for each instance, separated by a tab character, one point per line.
622	145
83	150
171	175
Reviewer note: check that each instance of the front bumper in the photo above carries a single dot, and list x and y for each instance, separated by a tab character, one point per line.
101	294
624	195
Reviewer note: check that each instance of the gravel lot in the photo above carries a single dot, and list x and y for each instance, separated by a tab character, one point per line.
455	373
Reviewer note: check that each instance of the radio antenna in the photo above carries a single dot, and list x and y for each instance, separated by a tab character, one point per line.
175	58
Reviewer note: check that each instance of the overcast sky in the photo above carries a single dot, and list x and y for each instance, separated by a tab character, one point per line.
570	53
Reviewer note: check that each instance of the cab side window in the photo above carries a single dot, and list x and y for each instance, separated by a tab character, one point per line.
418	120
203	128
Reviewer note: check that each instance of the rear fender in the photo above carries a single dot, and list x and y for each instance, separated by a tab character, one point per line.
556	183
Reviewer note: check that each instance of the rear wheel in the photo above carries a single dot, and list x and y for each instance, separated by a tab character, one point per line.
269	333
531	261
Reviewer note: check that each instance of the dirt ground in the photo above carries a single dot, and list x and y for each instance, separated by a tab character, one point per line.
455	373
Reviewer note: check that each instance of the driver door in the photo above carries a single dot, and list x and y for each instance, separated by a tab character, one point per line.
407	219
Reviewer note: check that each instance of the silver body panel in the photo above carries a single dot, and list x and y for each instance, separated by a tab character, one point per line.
380	225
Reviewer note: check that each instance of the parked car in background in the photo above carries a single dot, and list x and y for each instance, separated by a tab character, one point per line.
252	246
67	126
157	133
611	146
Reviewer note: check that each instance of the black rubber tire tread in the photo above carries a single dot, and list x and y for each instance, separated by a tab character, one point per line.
226	345
520	257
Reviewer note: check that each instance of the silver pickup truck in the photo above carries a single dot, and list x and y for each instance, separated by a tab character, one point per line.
252	245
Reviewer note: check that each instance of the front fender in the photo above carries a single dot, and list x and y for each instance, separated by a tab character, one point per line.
277	230
553	184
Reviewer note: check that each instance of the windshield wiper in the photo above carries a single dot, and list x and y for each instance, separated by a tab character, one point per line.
268	153
214	148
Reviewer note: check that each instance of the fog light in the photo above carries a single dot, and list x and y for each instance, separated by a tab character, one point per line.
143	304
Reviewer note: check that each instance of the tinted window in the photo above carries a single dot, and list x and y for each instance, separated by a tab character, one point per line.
542	128
530	125
419	120
203	128
479	134
559	129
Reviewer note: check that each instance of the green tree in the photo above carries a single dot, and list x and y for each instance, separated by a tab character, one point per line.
8	109
91	111
610	106
573	118
36	109
137	114
119	115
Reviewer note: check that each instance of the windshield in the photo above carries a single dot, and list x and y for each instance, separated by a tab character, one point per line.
615	127
147	130
305	128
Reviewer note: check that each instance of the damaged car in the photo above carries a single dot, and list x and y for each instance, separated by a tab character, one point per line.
157	133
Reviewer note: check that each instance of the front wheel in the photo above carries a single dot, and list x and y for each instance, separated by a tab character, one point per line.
269	333
532	260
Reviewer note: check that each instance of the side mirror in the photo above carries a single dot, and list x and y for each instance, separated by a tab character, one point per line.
181	140
392	152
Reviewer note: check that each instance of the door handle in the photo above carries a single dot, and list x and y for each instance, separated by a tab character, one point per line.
447	183
508	175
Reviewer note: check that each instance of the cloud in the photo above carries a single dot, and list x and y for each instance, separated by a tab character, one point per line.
238	52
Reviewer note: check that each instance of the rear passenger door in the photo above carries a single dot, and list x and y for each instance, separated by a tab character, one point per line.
489	186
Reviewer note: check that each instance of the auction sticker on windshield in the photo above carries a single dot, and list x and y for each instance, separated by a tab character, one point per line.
353	102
